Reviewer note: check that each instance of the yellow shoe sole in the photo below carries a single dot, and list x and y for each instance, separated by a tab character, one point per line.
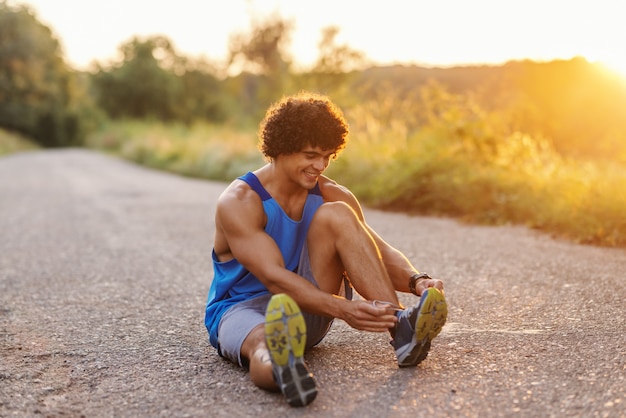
285	336
432	315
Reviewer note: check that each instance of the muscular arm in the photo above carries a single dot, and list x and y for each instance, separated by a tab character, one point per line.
400	268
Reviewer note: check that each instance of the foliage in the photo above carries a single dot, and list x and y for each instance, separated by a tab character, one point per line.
11	143
202	97
201	150
139	87
462	161
39	96
260	55
263	49
335	68
152	81
575	105
433	153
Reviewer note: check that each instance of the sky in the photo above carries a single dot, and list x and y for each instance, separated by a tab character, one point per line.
436	33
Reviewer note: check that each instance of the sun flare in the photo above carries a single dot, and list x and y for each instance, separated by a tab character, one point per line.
616	66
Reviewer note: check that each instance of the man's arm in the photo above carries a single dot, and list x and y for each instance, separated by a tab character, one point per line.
400	268
240	223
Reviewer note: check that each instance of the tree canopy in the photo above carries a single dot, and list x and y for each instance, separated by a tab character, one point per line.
153	81
38	92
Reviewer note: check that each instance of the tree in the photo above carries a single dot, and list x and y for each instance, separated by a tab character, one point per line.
153	81
38	93
140	86
263	49
202	97
262	52
335	58
335	64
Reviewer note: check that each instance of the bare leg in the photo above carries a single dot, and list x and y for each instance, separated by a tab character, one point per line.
255	350
338	242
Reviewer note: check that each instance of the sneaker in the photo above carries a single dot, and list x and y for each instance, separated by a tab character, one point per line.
285	335
418	326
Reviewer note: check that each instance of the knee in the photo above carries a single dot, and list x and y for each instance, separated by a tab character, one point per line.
335	215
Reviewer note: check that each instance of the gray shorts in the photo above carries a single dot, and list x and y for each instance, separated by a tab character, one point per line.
238	321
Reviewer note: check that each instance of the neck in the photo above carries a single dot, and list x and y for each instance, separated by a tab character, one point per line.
287	193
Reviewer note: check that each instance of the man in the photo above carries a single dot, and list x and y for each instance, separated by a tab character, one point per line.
289	246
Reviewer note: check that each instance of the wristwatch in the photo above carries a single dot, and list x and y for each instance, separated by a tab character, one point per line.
413	281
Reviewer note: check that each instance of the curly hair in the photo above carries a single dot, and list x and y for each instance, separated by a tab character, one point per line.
301	120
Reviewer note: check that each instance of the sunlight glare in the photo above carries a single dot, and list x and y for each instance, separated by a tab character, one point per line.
616	66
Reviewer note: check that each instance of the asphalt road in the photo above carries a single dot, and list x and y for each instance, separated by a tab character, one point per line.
105	268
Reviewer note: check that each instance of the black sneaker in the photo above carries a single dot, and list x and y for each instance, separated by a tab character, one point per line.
418	326
285	335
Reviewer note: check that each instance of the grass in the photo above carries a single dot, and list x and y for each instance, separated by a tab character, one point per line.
430	171
11	142
202	150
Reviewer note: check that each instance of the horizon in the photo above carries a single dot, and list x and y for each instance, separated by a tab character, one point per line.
447	33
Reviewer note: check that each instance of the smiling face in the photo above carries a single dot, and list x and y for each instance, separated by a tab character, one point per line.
305	167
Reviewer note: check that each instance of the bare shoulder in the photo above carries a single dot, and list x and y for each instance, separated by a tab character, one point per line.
239	199
334	192
237	192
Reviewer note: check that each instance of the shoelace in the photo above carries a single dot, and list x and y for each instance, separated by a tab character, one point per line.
388	305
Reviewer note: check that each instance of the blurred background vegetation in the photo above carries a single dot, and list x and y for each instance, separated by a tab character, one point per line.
541	144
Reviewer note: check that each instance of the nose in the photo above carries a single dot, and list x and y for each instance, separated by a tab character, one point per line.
321	163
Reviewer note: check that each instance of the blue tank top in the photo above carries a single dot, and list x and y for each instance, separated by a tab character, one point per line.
232	283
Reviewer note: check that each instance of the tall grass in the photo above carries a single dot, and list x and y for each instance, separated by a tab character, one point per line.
434	154
463	162
11	142
202	150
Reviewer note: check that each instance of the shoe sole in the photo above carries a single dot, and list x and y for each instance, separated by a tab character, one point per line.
431	318
285	336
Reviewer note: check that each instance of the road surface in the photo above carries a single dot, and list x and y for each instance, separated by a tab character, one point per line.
105	268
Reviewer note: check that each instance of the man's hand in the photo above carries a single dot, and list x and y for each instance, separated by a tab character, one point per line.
367	316
425	283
